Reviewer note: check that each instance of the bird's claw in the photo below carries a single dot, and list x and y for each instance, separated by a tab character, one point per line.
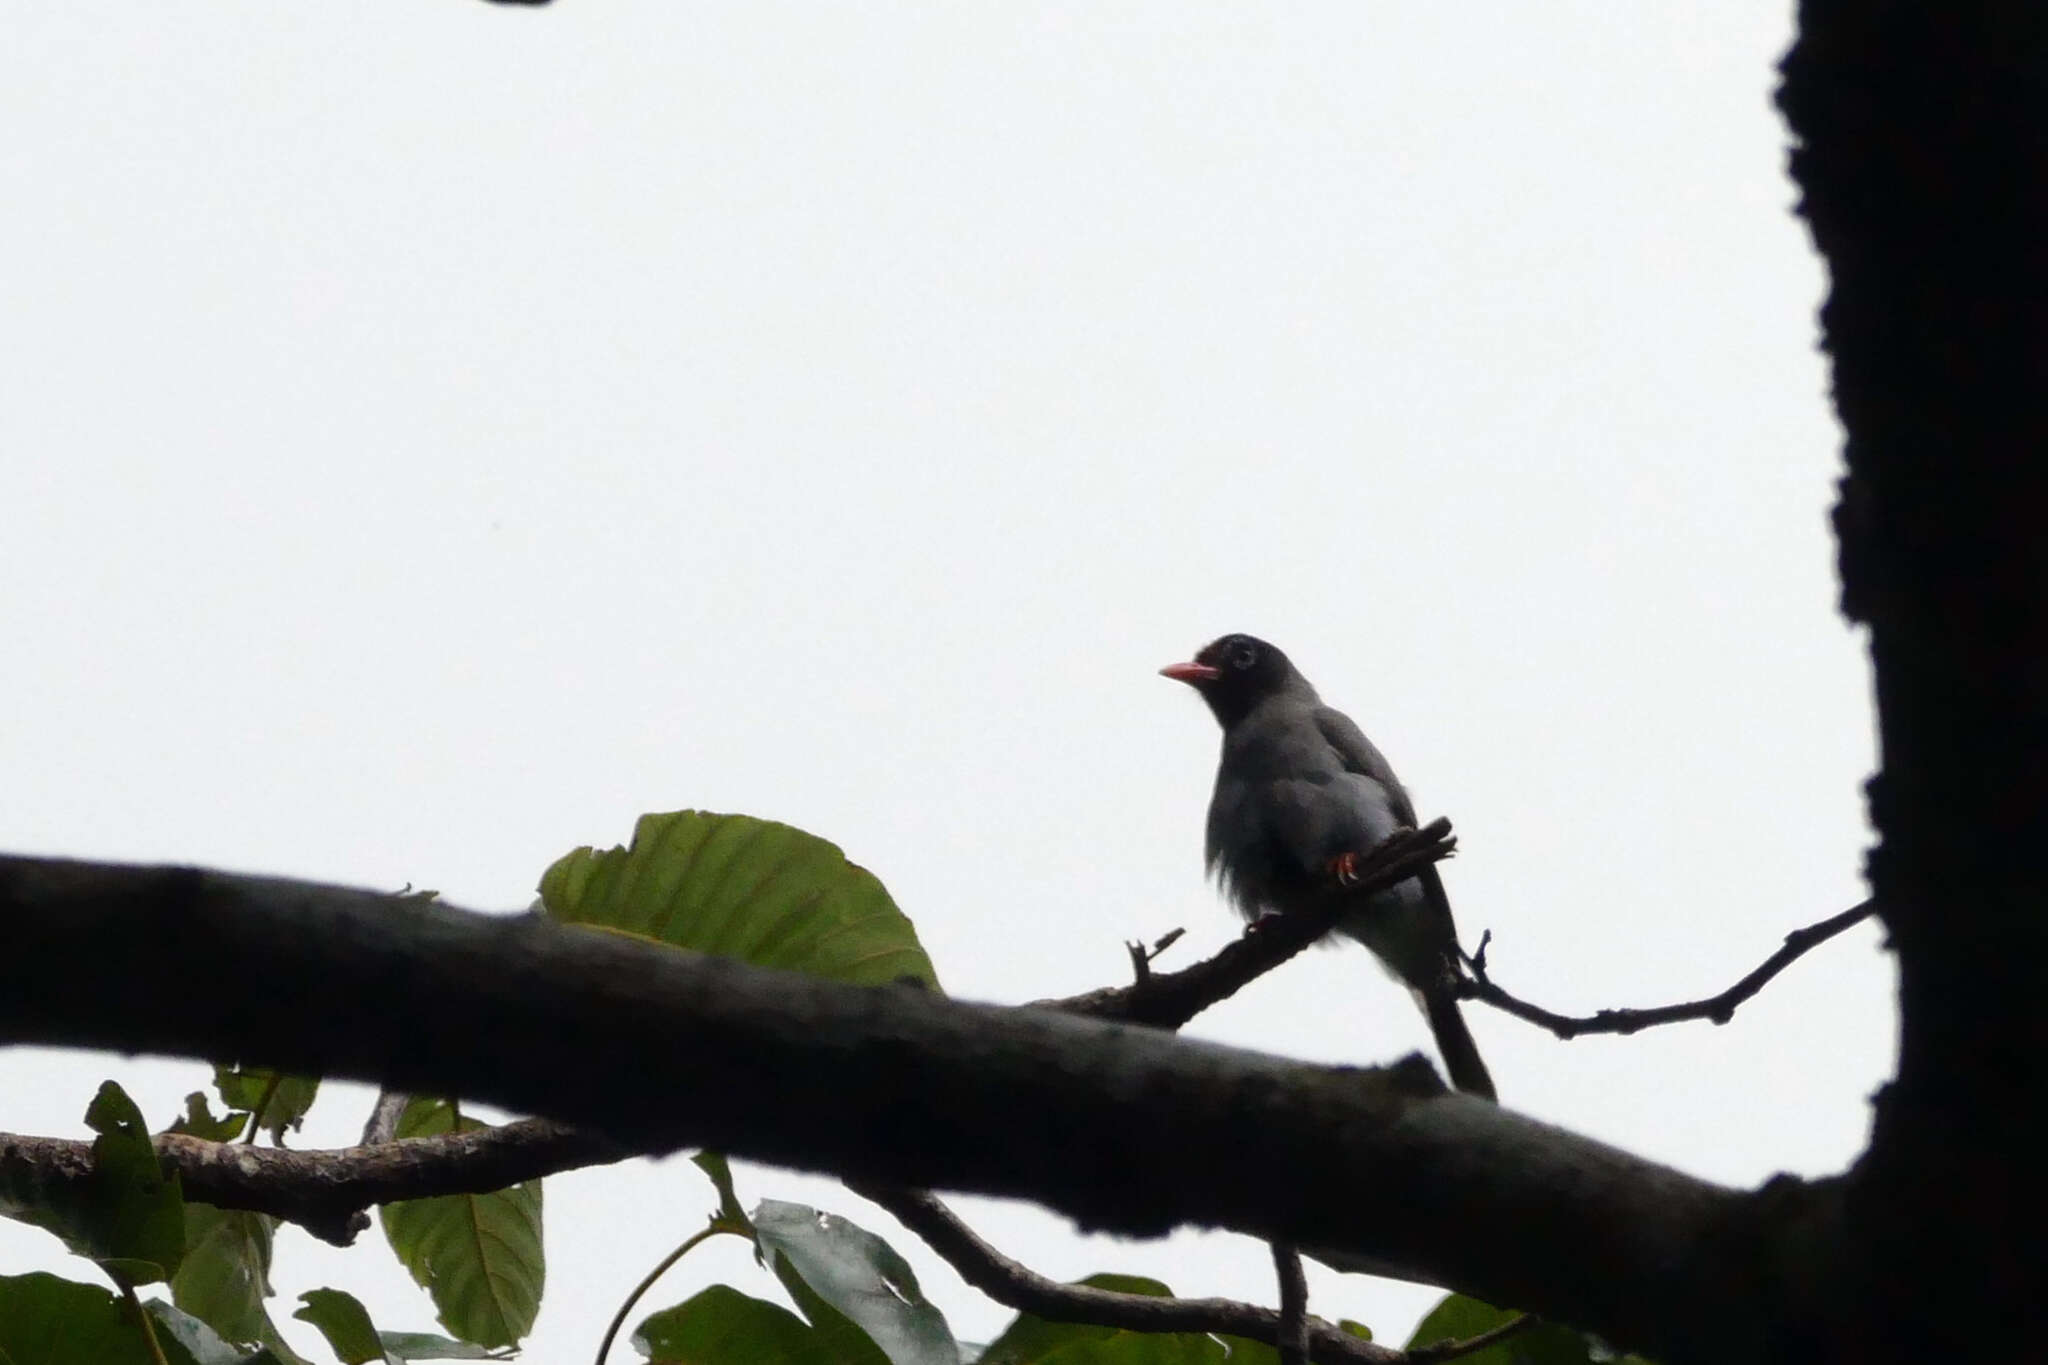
1346	868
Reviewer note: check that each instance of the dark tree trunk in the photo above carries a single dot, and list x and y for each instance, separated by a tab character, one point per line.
1922	151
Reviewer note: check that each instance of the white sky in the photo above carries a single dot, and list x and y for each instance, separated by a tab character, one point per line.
432	434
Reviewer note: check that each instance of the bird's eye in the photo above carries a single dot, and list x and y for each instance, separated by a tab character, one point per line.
1244	656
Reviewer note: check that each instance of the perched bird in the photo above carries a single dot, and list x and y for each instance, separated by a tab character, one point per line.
1301	796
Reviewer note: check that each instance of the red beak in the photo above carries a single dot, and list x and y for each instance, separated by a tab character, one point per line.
1192	674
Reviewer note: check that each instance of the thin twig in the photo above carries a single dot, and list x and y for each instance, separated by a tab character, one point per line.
1170	999
1719	1008
1143	957
1439	1351
1293	1341
1017	1286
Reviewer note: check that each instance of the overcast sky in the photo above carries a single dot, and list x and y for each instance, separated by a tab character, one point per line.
433	434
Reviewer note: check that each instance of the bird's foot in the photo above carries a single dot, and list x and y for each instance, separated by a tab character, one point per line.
1266	920
1347	869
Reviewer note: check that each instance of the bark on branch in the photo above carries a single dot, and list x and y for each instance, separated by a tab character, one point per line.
324	1192
1122	1128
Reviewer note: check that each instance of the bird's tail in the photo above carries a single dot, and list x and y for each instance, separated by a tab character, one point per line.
1454	1041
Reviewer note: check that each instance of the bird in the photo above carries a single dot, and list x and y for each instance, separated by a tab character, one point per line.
1301	797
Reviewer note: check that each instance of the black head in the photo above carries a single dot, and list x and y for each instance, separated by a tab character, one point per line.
1236	673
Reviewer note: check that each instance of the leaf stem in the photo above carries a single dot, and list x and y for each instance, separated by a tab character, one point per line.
156	1350
618	1319
270	1088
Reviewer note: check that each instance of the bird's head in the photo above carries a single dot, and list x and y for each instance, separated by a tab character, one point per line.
1236	673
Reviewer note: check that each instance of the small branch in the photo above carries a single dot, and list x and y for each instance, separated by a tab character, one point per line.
1016	1286
1293	1341
1142	957
1170	999
325	1192
1438	1351
382	1125
1719	1008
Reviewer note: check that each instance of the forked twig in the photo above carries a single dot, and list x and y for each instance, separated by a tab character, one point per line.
1719	1008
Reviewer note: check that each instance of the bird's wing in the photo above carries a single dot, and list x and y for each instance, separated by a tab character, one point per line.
1361	757
1420	942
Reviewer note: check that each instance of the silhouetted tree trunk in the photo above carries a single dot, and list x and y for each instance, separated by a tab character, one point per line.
1922	151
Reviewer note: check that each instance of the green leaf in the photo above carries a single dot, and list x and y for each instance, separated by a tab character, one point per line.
345	1323
860	1277
1459	1317
199	1121
45	1320
841	1337
274	1100
137	1226
729	1213
225	1276
183	1336
276	1350
743	888
722	1324
479	1255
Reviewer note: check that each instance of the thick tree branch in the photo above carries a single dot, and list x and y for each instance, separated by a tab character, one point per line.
1719	1008
1017	1286
329	1192
1122	1128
